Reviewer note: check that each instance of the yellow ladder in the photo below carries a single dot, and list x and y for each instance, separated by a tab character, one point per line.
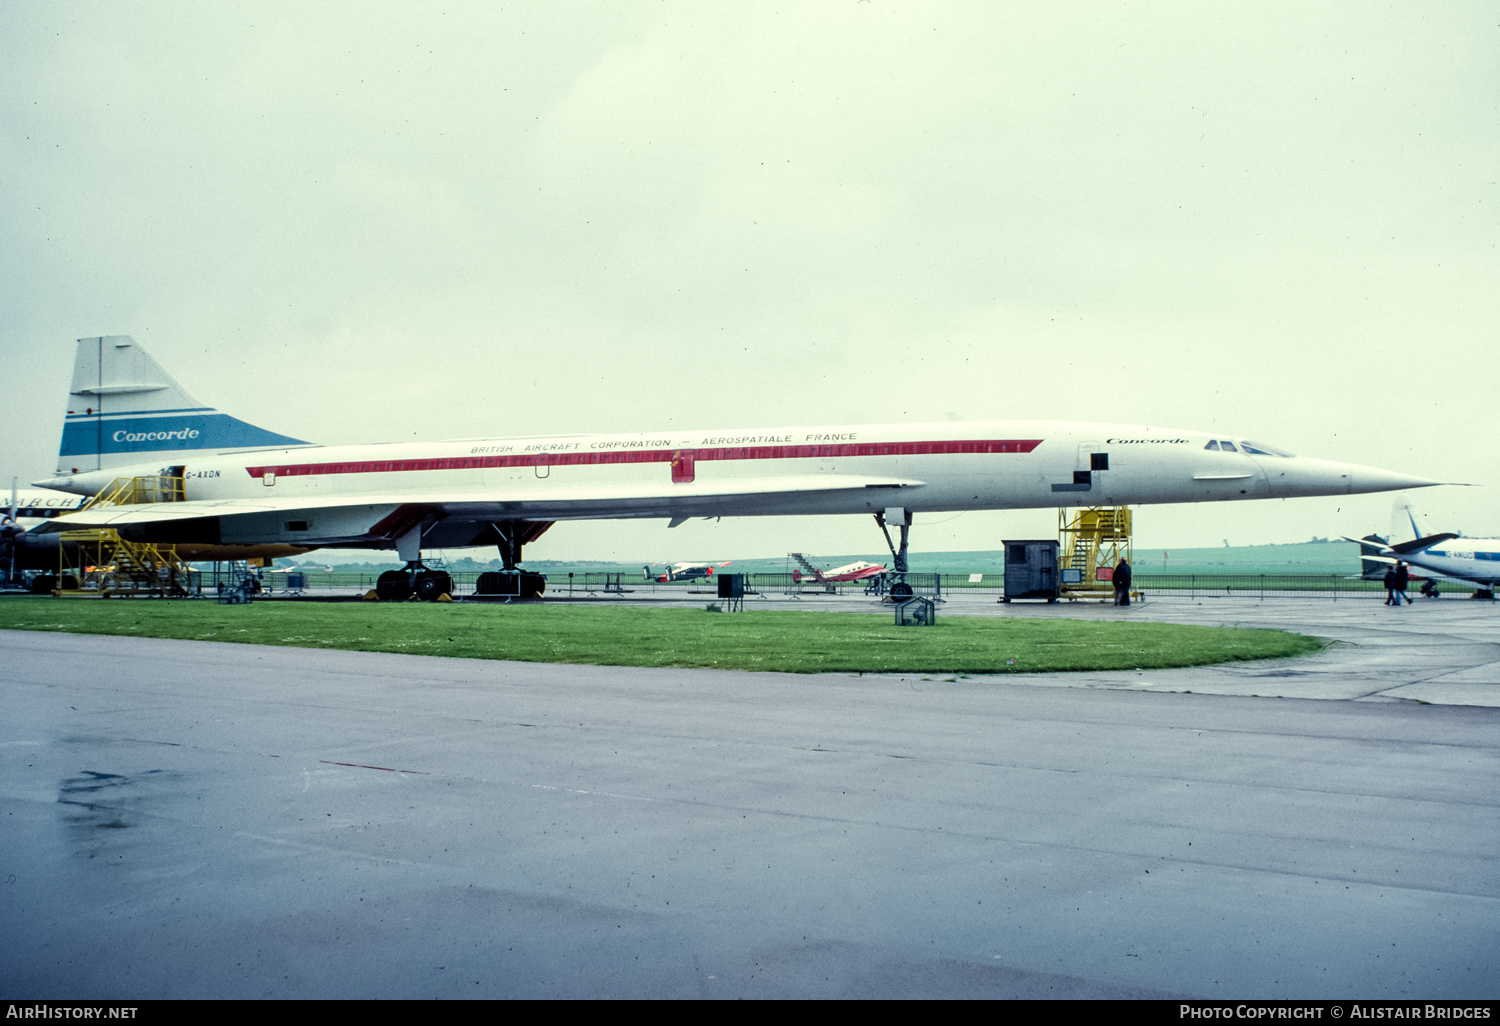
110	565
1091	539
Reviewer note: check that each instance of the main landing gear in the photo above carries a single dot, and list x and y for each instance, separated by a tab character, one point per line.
510	581
413	579
897	588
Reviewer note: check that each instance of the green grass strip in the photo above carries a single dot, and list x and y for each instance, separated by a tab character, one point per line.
794	642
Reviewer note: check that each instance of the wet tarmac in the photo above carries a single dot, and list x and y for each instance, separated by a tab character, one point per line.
188	819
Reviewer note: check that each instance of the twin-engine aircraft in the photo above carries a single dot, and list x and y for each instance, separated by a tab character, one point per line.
244	485
683	571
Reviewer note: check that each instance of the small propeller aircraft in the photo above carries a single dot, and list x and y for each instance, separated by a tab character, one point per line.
684	571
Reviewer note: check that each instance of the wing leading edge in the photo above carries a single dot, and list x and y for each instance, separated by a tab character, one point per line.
557	504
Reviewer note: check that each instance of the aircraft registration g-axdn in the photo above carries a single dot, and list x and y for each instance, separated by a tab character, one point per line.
243	485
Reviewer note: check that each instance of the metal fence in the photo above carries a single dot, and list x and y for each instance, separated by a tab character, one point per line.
1333	587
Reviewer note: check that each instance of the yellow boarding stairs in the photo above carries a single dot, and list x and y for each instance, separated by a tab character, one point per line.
108	564
1092	541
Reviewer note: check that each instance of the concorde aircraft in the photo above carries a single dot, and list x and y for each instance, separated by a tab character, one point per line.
245	485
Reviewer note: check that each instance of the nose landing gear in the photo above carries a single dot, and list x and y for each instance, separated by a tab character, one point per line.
898	589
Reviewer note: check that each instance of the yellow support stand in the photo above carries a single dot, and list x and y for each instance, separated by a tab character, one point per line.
1091	540
110	565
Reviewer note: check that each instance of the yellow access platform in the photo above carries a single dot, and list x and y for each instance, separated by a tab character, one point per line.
1091	542
108	564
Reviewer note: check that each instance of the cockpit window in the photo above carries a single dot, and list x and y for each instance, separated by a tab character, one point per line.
1228	447
1257	449
1212	446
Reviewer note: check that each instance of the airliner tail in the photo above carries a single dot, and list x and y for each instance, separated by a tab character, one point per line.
124	409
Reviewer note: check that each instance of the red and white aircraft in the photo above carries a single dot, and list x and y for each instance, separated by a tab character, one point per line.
850	572
244	485
684	571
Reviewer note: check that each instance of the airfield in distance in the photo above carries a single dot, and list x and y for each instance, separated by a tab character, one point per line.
1321	557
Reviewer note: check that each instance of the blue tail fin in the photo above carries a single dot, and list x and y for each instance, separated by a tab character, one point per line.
123	409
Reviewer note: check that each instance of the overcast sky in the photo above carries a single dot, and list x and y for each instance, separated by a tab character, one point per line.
382	222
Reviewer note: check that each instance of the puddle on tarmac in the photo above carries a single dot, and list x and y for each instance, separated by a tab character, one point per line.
98	808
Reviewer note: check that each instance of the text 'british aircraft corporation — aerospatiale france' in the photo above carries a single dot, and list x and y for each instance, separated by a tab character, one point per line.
243	485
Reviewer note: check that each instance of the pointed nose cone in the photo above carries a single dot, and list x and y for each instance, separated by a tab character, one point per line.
1373	479
1300	475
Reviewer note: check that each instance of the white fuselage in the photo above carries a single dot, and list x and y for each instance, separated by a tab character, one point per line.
1465	559
340	494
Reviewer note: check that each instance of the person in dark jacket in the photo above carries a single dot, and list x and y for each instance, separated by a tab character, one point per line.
1122	583
1390	586
1403	578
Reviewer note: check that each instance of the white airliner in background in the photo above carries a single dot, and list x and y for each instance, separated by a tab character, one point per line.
245	485
1472	560
25	509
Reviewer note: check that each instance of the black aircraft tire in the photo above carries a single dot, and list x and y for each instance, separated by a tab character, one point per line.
432	583
43	584
490	583
393	586
901	591
532	585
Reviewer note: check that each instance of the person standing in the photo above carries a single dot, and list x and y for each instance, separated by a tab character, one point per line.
1403	578
1390	586
1122	582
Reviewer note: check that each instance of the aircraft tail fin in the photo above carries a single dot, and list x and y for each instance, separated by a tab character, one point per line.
1372	565
1403	517
124	409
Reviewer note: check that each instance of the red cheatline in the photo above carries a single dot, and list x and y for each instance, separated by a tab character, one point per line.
565	459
